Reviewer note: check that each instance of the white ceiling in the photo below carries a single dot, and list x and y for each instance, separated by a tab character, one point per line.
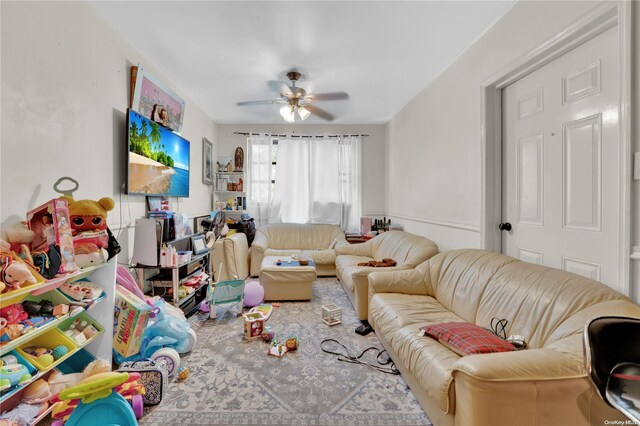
381	53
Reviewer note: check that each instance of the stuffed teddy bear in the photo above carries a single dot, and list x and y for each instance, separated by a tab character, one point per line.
15	234
89	220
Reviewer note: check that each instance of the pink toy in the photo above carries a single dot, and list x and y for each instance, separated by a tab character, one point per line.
51	224
253	294
124	278
14	313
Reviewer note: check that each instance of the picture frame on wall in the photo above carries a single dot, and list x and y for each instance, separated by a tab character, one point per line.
149	92
207	162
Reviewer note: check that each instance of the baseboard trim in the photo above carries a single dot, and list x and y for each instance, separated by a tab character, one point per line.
446	224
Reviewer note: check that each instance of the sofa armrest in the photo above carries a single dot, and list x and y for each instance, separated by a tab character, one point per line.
339	241
405	281
362	294
363	249
534	386
525	365
258	247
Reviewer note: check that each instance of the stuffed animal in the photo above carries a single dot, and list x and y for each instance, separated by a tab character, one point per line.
14	234
16	274
14	313
89	226
88	215
89	254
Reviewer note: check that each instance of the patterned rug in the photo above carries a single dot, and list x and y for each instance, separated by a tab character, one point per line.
235	382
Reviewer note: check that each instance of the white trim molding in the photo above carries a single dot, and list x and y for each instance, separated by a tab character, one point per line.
445	223
600	19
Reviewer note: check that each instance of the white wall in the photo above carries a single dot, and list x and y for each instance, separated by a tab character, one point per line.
373	150
636	184
434	141
65	91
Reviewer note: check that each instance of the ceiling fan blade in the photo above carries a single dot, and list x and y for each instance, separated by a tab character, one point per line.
332	96
280	88
320	112
273	101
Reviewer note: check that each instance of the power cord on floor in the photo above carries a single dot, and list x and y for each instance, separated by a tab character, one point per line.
352	359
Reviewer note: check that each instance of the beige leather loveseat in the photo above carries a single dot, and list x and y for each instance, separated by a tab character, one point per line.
544	385
285	239
406	249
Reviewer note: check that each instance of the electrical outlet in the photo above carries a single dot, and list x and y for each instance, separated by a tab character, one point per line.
636	166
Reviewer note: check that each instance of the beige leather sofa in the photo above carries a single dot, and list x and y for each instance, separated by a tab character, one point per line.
286	239
545	384
406	249
232	253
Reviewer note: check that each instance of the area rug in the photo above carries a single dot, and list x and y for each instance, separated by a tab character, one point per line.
235	382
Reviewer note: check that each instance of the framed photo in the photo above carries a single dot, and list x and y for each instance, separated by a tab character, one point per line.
197	223
207	161
149	92
198	244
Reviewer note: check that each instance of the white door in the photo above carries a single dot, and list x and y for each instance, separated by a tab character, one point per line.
561	163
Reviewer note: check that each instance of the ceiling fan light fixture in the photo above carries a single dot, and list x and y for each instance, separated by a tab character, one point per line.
287	113
303	112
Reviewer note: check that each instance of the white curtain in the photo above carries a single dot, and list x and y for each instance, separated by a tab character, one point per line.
259	176
318	181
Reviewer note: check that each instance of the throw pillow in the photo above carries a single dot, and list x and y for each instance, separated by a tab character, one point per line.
465	338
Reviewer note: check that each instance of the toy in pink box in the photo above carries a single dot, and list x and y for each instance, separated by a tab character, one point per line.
50	223
130	322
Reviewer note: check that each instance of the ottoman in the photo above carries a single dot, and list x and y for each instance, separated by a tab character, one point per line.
286	282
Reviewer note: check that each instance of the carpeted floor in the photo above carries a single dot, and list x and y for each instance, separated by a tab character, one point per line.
235	382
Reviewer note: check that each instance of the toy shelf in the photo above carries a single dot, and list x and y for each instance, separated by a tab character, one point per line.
8	347
42	416
99	345
16	296
35	333
57	298
41	373
35	377
75	276
14	396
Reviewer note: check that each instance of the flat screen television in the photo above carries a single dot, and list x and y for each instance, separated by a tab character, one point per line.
158	159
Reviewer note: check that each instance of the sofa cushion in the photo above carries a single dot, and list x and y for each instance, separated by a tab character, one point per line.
281	253
399	317
301	236
390	312
346	265
467	339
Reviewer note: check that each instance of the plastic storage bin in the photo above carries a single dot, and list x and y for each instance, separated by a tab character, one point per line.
49	340
76	362
75	322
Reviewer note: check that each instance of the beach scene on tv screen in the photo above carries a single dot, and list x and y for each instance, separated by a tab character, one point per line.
158	159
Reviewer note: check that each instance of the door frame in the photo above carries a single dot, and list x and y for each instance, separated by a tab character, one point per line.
594	23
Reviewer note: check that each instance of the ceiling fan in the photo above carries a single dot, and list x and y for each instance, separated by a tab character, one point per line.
297	100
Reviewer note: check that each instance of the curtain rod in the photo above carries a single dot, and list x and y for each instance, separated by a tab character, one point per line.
295	136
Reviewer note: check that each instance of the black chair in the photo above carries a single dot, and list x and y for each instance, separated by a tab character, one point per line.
612	359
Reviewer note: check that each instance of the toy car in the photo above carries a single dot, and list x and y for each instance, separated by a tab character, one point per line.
164	340
12	375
